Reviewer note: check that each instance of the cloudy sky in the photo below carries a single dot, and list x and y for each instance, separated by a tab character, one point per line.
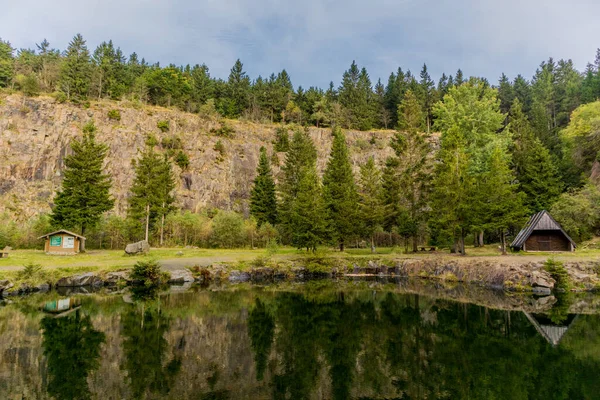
316	40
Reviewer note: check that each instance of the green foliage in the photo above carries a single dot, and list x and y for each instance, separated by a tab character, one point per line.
370	204
114	115
182	160
228	230
171	143
308	217
356	96
70	344
85	192
261	330
29	271
263	202
76	70
148	272
339	191
163	125
219	147
578	212
282	139
152	189
558	273
30	85
225	130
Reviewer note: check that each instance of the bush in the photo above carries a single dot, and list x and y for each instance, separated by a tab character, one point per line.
147	272
171	143
163	126
29	271
182	160
220	148
60	97
114	115
208	110
25	109
151	140
228	230
559	274
224	131
579	212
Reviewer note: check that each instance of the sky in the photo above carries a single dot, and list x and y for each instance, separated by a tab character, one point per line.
317	40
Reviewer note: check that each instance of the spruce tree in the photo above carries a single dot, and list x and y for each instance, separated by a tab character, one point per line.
535	169
238	90
301	156
428	95
501	203
85	192
7	63
263	202
370	204
308	214
339	191
76	70
151	192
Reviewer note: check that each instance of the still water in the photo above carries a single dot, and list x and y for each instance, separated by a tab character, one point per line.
315	340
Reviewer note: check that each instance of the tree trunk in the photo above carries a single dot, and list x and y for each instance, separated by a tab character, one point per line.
162	225
147	220
480	241
462	242
342	246
503	242
415	243
373	244
82	242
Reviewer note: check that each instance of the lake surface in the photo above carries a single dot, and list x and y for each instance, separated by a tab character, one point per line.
317	340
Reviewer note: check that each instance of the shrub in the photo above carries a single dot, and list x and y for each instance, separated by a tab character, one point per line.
220	148
282	139
182	160
228	229
171	143
114	115
224	131
147	272
559	274
151	140
60	97
30	86
29	271
208	110
25	109
163	125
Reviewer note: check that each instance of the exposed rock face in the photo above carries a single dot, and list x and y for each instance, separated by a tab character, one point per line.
137	248
181	276
89	279
35	136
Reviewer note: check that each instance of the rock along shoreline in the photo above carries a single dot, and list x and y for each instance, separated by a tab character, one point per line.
528	277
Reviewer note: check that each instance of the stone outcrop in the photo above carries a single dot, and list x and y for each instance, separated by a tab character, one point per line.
35	136
88	279
141	247
181	276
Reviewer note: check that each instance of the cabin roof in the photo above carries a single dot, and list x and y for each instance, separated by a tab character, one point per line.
552	333
540	221
61	231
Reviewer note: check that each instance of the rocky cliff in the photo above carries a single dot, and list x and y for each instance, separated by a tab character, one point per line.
35	134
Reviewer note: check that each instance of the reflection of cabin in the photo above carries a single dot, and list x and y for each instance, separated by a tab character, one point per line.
553	333
543	233
62	242
61	305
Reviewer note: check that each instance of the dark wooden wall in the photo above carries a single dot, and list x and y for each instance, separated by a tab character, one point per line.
547	241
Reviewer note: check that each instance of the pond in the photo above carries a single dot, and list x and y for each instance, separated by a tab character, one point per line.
313	340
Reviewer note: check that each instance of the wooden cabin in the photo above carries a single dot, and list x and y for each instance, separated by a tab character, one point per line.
63	242
543	233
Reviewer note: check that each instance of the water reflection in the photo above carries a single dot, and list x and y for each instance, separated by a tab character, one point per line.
296	342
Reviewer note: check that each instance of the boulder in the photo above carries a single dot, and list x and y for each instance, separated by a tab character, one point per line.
238	276
261	274
181	276
89	279
541	279
5	285
138	247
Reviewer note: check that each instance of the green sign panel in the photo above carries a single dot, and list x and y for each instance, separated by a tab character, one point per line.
55	241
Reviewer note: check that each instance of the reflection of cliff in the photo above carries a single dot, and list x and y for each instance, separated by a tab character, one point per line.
310	343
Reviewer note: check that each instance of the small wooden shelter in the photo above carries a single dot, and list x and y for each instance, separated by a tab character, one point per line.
543	233
63	242
553	333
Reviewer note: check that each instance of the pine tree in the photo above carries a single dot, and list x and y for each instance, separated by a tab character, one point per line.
505	94
7	63
428	95
339	191
76	70
370	205
238	90
84	195
413	171
300	157
151	192
263	203
535	169
308	214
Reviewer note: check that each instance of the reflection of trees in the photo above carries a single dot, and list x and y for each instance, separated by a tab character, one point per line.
72	347
260	330
144	347
409	347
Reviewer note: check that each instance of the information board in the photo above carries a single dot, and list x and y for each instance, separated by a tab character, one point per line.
69	243
55	241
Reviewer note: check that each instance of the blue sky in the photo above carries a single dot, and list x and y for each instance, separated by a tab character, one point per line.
315	41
